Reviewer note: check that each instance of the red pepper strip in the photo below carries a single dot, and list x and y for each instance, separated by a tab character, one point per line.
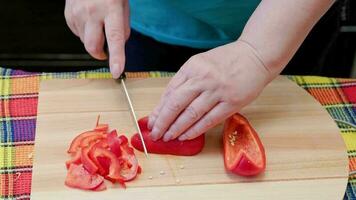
102	127
114	143
75	159
130	167
74	146
101	187
90	139
244	153
114	169
87	161
173	147
78	177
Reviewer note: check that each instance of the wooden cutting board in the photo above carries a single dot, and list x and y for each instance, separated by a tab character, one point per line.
306	156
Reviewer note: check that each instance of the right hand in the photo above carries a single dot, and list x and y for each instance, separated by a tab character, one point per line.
89	18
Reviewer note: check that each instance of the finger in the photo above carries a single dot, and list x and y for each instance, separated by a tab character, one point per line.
68	16
175	82
127	19
219	113
176	102
94	40
79	26
201	105
115	36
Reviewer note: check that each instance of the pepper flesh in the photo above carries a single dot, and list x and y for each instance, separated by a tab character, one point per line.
244	153
173	147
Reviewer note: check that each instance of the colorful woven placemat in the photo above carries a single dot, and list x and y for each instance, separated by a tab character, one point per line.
18	111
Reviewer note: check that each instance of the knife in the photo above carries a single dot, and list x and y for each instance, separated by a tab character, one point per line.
122	81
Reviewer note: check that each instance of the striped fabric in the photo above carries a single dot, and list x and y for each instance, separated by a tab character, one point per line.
18	107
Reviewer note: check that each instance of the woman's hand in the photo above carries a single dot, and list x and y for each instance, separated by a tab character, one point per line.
208	88
93	20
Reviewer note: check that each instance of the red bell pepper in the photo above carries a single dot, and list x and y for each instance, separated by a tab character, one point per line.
244	153
78	177
173	147
88	163
97	155
114	143
76	143
76	159
129	164
114	167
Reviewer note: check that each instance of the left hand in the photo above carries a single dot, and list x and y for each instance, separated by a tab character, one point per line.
208	88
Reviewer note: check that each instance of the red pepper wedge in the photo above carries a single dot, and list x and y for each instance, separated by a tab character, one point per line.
114	143
79	177
173	147
76	143
90	139
114	168
88	163
129	164
76	159
244	153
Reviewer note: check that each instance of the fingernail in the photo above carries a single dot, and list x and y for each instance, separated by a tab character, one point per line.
167	137
103	55
182	138
150	123
114	69
154	134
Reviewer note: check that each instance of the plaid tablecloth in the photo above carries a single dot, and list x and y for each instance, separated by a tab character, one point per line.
18	111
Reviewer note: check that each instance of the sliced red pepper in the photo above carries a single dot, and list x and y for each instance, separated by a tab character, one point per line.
173	147
244	153
130	167
88	163
76	159
78	177
75	145
90	139
101	187
114	168
101	127
114	143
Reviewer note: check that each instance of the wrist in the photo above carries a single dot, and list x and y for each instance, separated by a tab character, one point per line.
273	63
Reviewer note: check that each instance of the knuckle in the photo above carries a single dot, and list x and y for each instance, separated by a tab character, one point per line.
91	8
192	133
192	113
174	106
113	2
174	129
115	34
92	48
209	121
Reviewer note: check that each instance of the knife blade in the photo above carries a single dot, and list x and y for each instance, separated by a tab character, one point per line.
122	81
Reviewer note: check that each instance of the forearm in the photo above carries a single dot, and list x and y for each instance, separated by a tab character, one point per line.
277	28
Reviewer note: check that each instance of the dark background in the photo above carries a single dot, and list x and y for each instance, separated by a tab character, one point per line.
34	36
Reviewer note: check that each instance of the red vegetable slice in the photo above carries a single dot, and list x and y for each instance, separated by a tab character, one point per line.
130	167
78	177
90	139
101	187
114	143
244	153
74	146
96	153
114	168
88	163
76	159
173	147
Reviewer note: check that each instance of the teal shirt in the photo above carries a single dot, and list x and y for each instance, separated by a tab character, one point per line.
192	23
